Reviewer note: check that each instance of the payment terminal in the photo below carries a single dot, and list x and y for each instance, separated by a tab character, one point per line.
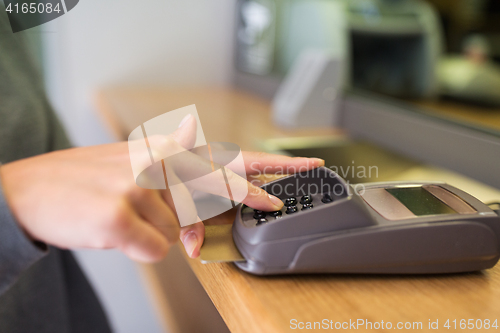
329	226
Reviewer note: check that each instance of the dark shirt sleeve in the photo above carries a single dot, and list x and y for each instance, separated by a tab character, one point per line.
17	251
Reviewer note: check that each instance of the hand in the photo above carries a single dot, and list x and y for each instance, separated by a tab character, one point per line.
256	163
87	198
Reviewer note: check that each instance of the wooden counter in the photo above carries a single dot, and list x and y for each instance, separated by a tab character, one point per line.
268	304
487	117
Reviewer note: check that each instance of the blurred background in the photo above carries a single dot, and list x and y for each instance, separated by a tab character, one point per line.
442	56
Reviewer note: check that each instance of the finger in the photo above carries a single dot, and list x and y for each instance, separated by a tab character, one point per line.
140	241
240	190
151	207
180	200
164	146
167	197
262	163
185	135
192	237
257	198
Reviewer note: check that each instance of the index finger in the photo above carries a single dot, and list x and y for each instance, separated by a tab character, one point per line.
262	163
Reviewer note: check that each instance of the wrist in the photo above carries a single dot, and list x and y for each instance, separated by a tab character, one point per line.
6	184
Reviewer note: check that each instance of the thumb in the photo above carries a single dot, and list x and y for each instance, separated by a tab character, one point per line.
185	135
192	237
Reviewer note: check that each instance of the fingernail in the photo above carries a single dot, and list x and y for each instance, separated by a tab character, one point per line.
319	161
190	242
276	201
185	119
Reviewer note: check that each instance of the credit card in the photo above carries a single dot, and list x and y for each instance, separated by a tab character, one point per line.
219	245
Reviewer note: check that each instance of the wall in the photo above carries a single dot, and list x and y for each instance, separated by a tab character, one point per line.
124	42
104	43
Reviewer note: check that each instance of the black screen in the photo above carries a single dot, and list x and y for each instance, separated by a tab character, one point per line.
420	202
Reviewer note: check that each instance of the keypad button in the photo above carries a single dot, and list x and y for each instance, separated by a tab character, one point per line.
262	220
292	201
259	215
306	199
327	197
307	206
275	213
291	209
